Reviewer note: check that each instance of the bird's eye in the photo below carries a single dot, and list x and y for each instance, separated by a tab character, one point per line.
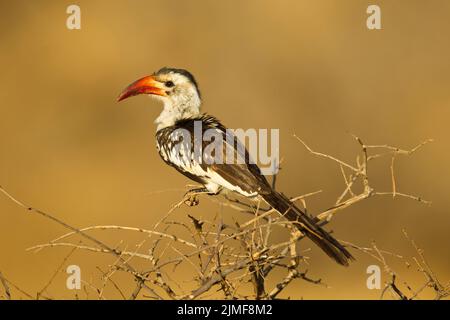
169	84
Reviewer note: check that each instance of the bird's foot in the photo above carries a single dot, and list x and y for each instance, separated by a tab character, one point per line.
191	200
191	197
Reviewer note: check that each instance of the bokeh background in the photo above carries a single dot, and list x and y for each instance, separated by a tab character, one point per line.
306	67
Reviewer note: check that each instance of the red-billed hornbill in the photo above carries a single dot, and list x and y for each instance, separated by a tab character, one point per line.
179	92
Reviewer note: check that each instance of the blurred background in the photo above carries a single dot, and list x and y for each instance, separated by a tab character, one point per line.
307	67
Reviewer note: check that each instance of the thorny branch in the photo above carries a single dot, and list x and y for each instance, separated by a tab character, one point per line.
359	173
228	260
398	290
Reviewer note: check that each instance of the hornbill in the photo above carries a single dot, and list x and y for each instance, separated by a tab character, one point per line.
179	92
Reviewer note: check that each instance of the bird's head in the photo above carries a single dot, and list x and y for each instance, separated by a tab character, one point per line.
176	88
172	86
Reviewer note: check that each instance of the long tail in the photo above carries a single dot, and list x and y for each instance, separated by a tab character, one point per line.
309	227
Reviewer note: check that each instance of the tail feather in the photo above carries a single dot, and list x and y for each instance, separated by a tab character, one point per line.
309	227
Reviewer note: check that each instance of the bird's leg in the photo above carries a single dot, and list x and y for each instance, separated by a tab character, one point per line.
191	197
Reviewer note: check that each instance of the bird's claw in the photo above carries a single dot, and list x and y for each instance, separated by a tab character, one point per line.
191	199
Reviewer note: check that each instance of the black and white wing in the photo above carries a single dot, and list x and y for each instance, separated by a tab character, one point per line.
241	176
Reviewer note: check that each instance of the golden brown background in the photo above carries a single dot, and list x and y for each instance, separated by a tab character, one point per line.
309	67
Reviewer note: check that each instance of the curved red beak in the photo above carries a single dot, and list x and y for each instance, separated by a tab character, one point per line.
147	85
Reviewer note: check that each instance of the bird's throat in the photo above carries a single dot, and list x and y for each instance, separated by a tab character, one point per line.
172	113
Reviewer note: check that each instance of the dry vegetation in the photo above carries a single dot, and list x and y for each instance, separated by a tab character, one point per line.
228	258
